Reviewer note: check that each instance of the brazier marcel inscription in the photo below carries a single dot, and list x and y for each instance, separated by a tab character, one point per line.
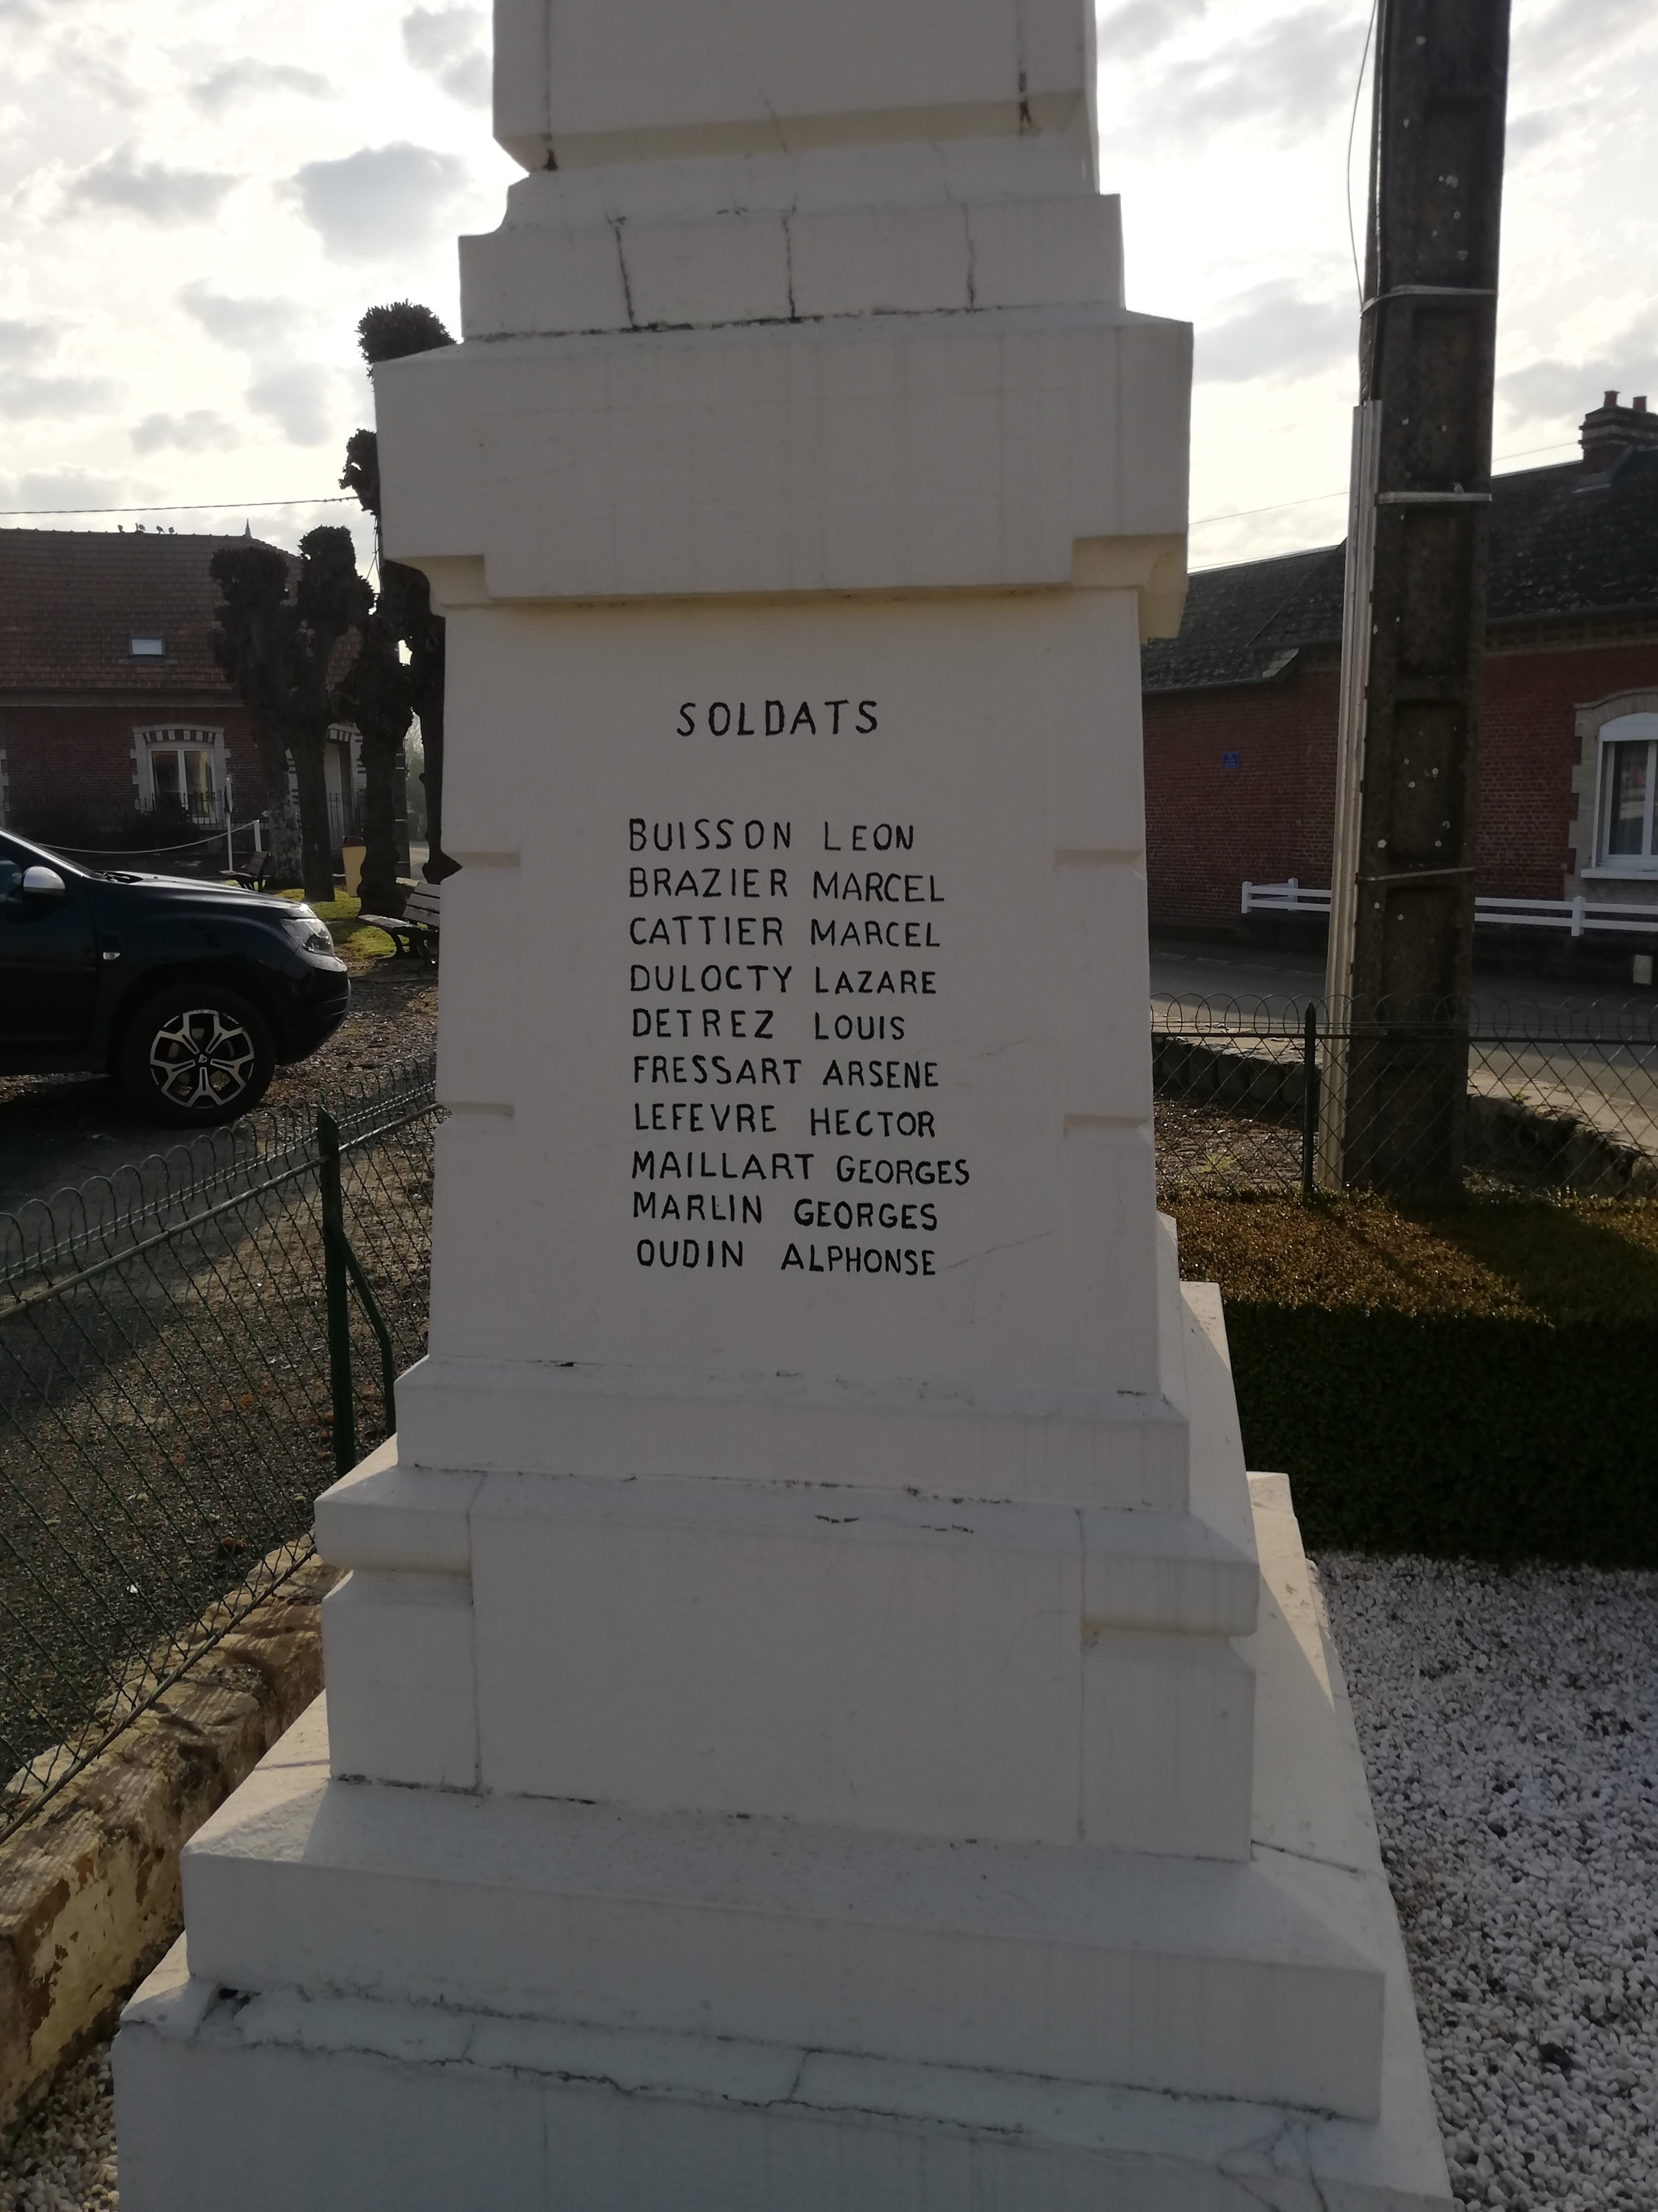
781	977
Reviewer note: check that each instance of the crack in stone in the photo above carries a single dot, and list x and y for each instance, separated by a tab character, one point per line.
622	264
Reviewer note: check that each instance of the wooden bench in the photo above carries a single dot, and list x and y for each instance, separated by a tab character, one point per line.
414	934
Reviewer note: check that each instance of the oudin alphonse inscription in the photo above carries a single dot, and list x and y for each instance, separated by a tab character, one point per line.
780	980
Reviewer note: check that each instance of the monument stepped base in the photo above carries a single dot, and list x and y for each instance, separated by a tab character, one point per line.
265	2101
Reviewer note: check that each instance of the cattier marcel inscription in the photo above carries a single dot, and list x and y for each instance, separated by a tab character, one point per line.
696	1012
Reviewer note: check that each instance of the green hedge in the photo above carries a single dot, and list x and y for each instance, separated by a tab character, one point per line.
1456	1434
1479	1381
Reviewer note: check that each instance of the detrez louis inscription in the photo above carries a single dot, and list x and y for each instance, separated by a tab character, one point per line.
781	978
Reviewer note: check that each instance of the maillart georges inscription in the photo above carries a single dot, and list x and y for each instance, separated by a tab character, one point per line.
781	979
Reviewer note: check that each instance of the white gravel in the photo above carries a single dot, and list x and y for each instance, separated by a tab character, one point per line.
1507	1726
63	2159
1507	1722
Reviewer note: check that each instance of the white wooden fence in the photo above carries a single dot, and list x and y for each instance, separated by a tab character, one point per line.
1579	917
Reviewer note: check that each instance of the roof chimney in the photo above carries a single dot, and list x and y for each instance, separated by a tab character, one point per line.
1609	432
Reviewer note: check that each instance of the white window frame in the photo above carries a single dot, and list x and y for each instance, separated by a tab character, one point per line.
173	736
1636	729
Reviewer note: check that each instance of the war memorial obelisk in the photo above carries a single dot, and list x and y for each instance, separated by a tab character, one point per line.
819	1719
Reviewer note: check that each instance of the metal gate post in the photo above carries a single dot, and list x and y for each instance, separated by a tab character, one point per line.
338	1292
1309	1102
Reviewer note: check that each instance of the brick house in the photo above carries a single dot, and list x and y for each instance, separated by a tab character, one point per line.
111	704
1240	709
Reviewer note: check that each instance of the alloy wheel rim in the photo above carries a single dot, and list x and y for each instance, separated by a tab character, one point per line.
200	1059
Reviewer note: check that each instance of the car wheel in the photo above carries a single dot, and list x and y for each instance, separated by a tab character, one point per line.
194	1056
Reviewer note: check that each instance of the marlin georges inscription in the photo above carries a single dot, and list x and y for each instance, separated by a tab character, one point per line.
781	981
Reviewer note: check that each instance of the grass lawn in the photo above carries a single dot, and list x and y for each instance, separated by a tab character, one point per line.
1475	1381
341	915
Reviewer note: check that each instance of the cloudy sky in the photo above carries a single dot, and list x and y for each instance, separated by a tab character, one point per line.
202	196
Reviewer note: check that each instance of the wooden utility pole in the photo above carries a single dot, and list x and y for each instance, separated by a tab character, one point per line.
1401	922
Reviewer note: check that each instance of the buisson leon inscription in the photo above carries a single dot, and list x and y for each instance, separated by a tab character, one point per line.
781	1114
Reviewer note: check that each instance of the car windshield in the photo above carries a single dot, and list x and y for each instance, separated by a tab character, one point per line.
24	852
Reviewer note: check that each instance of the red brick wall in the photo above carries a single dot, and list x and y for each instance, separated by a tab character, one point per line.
1528	749
74	754
1209	830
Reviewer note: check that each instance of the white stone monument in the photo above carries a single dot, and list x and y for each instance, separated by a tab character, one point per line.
818	1717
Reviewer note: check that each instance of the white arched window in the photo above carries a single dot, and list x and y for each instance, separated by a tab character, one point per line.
183	763
1625	784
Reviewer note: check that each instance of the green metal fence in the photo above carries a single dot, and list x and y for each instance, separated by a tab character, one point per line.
168	1414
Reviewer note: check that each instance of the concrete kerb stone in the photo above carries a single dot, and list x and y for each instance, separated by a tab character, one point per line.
90	1895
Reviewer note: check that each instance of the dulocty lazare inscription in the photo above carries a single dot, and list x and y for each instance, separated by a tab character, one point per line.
781	978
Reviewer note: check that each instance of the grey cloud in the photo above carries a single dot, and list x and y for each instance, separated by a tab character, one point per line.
1525	133
1288	76
448	44
58	491
1563	392
198	431
1273	332
53	397
296	399
250	325
1559	36
247	78
378	198
1129	32
149	189
25	341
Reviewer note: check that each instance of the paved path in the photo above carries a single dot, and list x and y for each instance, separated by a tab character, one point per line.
1191	974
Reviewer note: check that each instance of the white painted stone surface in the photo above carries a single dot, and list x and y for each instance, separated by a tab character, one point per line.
588	83
403	2099
805	1660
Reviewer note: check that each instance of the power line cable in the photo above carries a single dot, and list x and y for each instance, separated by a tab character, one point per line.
191	505
1352	127
1319	498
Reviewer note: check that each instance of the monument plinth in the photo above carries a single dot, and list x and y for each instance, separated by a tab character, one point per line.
818	1715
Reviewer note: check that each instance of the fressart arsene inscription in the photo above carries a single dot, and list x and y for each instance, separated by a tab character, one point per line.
780	1110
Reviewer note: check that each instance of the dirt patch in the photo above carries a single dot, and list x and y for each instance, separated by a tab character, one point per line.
394	1015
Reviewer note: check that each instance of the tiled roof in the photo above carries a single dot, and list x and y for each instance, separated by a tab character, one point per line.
1564	544
72	601
1246	624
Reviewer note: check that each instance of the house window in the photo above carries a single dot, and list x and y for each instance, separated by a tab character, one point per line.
1629	780
148	646
182	766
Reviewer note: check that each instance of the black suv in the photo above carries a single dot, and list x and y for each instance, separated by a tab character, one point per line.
188	994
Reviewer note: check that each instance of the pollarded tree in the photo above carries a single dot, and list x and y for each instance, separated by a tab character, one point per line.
377	694
253	645
390	333
285	656
331	600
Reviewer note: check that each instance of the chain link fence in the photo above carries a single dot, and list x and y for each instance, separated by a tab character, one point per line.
166	1414
1509	1103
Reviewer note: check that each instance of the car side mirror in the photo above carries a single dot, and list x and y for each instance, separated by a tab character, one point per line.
43	883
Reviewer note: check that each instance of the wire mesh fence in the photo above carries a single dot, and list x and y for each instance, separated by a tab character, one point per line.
1510	1101
166	1413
